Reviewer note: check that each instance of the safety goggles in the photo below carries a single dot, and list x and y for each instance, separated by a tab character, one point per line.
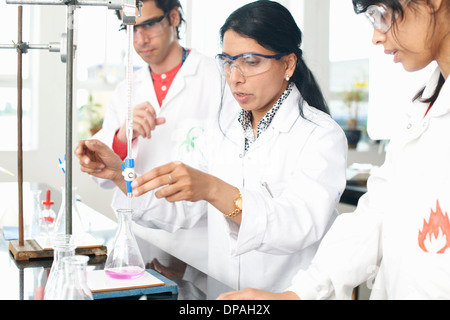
149	28
248	64
380	16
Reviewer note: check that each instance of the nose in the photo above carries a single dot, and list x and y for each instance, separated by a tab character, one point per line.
236	76
378	37
139	37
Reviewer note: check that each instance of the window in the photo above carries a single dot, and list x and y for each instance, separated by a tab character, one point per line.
99	65
349	55
8	81
204	21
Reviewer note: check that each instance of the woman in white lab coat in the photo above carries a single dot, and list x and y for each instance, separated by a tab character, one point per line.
399	234
271	172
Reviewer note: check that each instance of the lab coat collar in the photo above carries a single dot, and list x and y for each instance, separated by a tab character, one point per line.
189	68
283	121
416	121
288	113
440	106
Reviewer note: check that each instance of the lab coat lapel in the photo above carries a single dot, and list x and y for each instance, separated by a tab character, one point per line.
188	69
442	104
236	134
416	122
144	90
283	121
176	87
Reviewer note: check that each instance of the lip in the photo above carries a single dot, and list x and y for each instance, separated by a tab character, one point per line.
393	53
146	52
241	96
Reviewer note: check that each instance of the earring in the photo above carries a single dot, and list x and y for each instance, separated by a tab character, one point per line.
287	77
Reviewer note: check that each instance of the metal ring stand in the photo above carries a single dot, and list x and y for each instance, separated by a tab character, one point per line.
67	56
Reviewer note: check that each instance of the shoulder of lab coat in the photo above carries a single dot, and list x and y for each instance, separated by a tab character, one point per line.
307	204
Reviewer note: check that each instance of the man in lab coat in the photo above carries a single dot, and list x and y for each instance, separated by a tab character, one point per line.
173	100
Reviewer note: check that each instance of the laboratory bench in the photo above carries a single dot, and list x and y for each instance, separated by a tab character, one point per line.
25	279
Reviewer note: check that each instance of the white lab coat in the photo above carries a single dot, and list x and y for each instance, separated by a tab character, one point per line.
388	231
303	163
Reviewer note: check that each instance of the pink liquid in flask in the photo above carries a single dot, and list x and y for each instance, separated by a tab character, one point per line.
125	273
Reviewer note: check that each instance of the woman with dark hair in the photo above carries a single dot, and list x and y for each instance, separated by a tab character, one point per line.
271	174
272	26
400	231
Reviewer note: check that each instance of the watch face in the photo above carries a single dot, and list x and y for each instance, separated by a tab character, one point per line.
238	203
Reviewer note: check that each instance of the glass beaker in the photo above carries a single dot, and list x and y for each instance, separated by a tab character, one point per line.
75	282
63	246
124	260
60	224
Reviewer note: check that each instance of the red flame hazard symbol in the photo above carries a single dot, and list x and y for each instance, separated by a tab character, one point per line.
435	234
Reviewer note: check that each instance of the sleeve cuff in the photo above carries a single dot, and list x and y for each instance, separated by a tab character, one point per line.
119	147
250	234
311	285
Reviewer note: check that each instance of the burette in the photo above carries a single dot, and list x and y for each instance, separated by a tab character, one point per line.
128	168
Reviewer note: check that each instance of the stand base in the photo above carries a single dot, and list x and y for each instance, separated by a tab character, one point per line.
32	250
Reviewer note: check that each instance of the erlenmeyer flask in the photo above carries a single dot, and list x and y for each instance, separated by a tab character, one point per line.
124	260
75	283
63	246
60	224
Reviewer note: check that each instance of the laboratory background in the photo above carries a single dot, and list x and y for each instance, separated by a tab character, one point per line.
336	44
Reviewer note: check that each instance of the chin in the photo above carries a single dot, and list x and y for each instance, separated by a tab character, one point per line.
414	67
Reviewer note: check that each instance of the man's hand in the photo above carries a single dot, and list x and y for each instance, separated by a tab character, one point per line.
144	122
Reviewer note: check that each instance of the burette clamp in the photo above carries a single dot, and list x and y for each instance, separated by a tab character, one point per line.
128	173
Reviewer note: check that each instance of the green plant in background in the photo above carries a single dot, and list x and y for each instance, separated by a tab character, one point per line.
352	98
92	117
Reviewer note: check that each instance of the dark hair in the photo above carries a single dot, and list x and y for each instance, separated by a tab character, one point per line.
274	28
166	6
361	6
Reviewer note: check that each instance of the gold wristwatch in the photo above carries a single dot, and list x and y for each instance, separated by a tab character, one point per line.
237	206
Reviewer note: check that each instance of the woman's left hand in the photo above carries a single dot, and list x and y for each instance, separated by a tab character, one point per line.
257	294
179	182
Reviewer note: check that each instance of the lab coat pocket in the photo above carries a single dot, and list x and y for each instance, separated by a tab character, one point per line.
271	189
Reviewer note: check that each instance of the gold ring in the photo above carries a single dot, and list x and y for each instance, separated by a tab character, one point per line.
170	179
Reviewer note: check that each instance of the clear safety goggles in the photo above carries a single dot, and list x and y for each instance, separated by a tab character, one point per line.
248	64
380	16
150	28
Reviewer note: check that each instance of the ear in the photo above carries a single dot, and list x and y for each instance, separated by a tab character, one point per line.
175	16
290	63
